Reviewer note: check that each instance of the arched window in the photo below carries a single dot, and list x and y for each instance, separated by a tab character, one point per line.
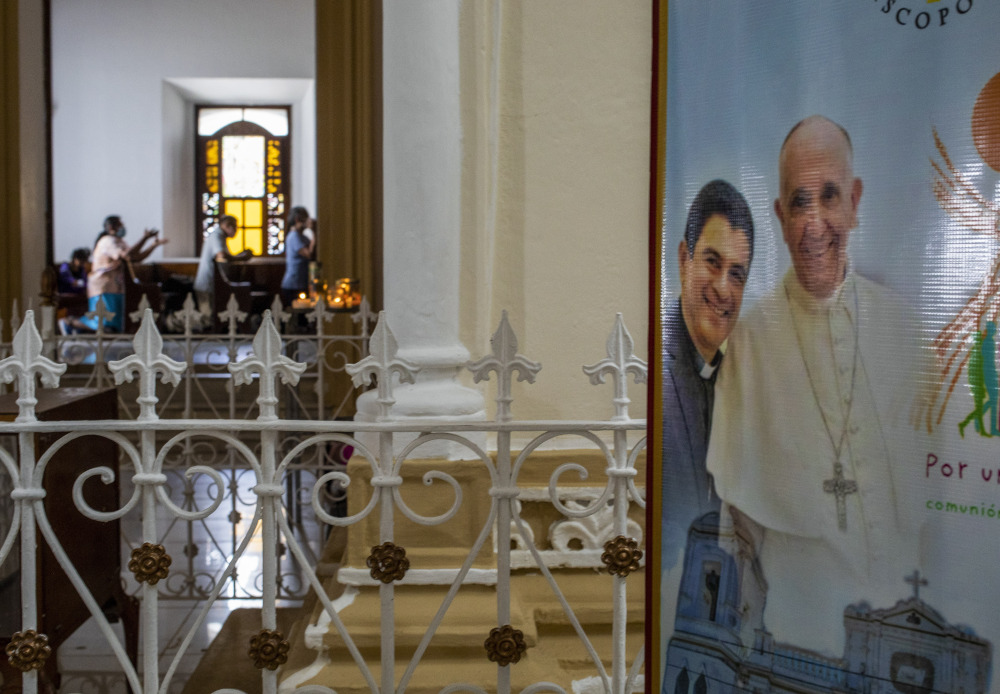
709	602
681	685
701	685
242	160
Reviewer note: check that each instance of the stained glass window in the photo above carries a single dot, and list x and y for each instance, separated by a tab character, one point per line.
243	166
242	171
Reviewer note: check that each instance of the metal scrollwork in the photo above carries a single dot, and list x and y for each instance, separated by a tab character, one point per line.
150	563
268	649
388	562
505	645
621	555
28	650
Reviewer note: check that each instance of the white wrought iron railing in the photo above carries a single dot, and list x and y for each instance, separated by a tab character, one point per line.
323	391
209	355
148	442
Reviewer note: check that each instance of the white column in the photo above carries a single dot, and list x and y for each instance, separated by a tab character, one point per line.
422	158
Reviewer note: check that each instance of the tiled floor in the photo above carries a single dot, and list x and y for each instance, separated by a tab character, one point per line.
88	665
201	550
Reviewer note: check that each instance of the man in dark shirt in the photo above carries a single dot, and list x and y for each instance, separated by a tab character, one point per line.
714	259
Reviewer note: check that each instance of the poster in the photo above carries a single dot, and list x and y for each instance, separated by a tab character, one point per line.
829	300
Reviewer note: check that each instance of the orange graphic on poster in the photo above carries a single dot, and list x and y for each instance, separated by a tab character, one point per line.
966	344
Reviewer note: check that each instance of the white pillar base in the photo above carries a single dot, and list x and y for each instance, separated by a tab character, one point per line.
428	401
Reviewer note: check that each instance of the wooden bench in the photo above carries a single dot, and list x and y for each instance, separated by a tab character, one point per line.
141	279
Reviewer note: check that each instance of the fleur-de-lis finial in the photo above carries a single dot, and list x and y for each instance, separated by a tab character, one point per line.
319	314
145	363
382	363
101	314
504	361
137	314
233	316
268	361
189	313
15	318
278	312
620	362
363	315
25	363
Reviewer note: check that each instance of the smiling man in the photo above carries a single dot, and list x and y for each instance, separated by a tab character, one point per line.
801	442
714	259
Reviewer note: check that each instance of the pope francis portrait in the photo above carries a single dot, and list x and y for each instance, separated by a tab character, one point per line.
802	441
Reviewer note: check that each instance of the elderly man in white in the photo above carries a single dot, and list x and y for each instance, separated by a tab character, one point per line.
801	442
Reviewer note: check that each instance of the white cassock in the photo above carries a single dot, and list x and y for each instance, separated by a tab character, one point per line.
808	384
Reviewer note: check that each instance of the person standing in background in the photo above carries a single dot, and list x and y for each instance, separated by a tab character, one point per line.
107	275
299	248
214	250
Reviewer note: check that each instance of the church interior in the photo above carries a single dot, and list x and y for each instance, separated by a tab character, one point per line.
468	163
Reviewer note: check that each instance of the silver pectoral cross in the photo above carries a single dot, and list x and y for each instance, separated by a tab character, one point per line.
840	488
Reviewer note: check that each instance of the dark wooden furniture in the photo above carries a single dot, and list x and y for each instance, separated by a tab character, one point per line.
263	274
223	288
66	303
74	305
93	547
141	279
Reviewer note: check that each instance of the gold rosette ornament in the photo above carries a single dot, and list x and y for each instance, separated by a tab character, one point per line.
388	562
621	555
150	563
28	650
268	649
505	645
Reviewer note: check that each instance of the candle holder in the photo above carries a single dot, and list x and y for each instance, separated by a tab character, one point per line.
344	293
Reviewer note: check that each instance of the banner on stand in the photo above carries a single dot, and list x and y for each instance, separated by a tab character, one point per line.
829	482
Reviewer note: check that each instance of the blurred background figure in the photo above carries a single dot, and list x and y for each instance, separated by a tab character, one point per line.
107	274
300	242
73	273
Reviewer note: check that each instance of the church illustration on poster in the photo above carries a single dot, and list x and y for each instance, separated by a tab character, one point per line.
720	642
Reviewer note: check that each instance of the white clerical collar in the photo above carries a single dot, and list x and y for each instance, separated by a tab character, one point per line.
810	304
707	369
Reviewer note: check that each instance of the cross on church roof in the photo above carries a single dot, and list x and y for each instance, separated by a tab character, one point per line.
915	580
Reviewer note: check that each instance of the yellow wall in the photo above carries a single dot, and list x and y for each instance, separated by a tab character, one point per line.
23	165
34	164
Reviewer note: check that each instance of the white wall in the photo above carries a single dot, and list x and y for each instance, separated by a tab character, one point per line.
564	157
120	107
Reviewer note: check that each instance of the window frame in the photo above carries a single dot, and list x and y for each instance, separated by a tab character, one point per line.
284	187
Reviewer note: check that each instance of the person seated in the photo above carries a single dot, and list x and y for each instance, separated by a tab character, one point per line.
72	278
213	249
